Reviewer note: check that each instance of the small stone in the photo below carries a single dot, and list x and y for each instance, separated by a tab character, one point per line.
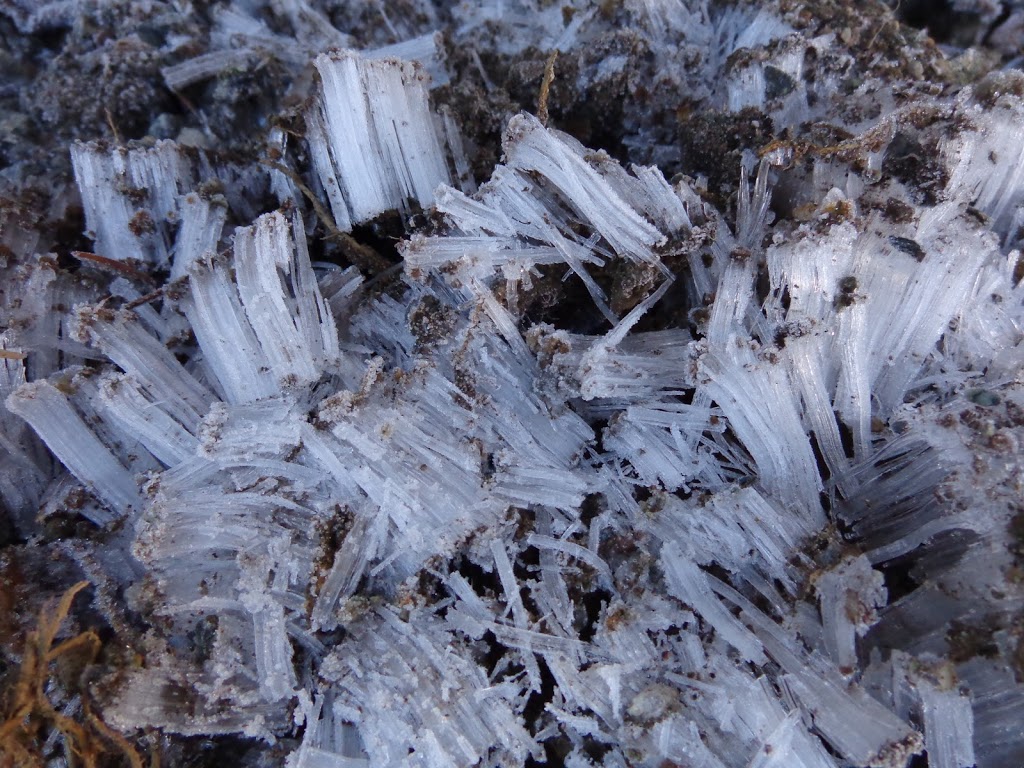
165	126
193	137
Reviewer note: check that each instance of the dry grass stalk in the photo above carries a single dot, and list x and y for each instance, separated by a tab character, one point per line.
28	713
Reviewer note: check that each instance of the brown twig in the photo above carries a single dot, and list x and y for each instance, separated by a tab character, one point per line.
145	299
873	139
889	20
112	264
545	88
363	256
114	737
113	127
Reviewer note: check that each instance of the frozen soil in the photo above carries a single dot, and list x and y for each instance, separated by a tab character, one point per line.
94	71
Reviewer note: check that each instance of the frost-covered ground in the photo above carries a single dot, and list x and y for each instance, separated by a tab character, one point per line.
512	383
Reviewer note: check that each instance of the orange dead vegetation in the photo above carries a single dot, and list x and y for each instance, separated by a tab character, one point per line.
28	715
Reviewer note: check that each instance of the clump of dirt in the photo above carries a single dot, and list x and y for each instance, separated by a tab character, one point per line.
713	142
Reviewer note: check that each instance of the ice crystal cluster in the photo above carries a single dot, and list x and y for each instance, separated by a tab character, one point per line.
709	459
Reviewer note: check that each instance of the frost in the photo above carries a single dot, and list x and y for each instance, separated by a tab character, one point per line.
619	466
64	431
848	597
131	198
373	138
272	328
948	723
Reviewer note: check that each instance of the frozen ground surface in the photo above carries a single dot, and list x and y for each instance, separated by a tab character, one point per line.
511	383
